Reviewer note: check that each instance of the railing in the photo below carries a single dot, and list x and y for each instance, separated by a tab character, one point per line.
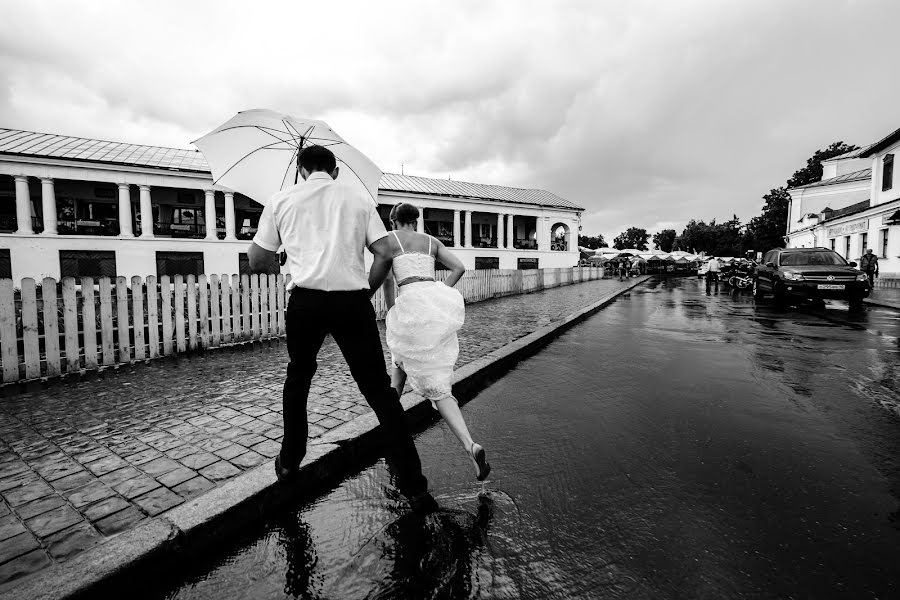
49	329
180	230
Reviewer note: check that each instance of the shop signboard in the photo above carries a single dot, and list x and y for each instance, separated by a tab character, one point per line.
848	228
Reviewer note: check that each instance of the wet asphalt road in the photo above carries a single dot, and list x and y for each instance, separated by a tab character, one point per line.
675	445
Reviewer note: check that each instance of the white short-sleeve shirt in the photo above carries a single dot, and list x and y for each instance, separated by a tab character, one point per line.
324	226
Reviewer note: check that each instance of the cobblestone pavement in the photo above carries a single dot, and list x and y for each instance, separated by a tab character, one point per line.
83	460
889	297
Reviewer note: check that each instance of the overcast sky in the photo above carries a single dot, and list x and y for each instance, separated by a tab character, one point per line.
647	113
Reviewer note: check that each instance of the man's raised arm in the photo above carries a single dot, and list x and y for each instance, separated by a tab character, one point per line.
381	249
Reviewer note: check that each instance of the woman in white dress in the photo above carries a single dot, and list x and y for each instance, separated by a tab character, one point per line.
422	324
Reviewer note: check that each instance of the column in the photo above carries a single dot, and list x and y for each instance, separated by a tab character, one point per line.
125	228
457	239
468	229
23	206
229	216
146	212
48	204
210	214
501	242
511	232
420	224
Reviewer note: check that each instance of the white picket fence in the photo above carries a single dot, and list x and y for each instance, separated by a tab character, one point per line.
54	328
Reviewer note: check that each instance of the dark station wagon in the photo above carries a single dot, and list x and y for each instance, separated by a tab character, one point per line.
816	274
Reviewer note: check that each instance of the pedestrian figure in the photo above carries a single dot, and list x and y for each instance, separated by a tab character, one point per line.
712	273
869	265
324	225
422	322
621	270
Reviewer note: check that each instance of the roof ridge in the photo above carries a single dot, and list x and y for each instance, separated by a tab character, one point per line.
87	139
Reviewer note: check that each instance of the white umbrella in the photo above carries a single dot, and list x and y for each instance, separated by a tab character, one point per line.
255	153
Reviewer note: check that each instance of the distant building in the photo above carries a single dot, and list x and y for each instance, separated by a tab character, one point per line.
77	207
855	206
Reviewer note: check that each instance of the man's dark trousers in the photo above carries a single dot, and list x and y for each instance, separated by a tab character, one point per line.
350	319
870	273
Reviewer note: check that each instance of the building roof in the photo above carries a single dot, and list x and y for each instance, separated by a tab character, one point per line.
831	215
860	175
846	155
461	189
47	145
888	140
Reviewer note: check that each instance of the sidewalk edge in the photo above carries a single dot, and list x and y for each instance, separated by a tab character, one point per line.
201	522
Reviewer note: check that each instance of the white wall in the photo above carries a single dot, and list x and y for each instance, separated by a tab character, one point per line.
877	164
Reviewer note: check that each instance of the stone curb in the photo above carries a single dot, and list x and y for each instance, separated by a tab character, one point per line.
203	522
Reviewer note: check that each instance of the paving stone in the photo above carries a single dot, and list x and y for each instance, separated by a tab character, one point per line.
249	439
69	542
36	507
120	521
19	479
26	493
92	455
4	509
73	481
136	487
52	521
12	467
219	471
230	452
182	451
90	493
119	475
10	526
26	564
106	465
269	448
248	460
213	444
17	546
139	458
199	460
193	487
158	500
159	466
104	508
179	475
240	420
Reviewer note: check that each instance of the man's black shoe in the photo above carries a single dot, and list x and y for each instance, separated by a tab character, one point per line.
285	474
423	503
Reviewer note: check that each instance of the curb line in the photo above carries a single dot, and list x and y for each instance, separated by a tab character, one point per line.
882	303
199	524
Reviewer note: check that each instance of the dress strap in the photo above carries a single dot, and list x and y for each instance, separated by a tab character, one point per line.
396	237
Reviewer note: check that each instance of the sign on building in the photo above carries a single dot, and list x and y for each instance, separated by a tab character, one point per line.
848	228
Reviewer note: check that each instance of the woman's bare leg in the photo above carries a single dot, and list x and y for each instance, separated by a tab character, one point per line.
398	380
449	410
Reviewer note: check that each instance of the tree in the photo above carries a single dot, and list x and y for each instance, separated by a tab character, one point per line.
592	242
633	237
768	229
812	172
664	240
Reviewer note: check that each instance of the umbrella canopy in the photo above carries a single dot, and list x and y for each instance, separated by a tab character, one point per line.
255	153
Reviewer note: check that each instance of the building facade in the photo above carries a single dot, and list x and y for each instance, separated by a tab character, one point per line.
79	207
856	206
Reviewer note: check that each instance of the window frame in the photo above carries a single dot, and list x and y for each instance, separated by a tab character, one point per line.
887	172
165	255
77	255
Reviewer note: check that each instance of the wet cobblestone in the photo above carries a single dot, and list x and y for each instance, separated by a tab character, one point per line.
80	460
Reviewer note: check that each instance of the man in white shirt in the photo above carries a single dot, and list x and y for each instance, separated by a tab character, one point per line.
712	272
324	227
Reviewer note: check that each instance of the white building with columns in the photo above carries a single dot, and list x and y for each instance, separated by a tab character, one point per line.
855	206
80	207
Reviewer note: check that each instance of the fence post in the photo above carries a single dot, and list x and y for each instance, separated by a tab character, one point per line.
152	316
282	295
137	311
239	296
180	345
70	324
273	305
214	298
191	285
263	305
204	311
225	282
106	322
246	311
254	306
122	325
165	291
9	347
89	322
51	327
30	329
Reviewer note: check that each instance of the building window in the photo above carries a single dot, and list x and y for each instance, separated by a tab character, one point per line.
527	263
887	173
487	262
884	243
87	263
244	265
847	247
833	243
5	263
863	243
179	263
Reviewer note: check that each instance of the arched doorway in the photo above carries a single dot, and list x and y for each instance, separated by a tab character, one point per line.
560	237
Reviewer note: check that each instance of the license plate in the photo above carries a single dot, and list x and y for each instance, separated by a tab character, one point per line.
830	286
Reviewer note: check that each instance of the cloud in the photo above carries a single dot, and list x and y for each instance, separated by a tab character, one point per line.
645	113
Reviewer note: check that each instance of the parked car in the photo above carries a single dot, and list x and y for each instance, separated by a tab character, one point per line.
798	274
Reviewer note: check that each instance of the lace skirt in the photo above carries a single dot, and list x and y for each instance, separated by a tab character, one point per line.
421	334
